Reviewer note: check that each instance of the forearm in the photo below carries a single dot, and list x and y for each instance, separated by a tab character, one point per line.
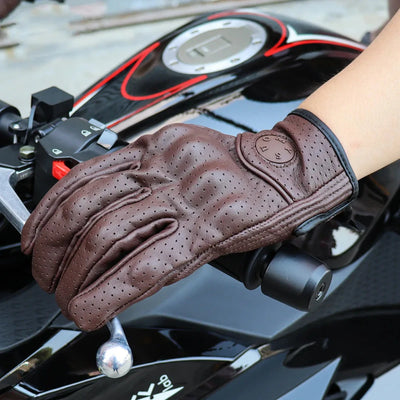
362	104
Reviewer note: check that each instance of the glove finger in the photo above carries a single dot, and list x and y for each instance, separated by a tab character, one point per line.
160	144
118	233
135	277
140	275
77	212
127	158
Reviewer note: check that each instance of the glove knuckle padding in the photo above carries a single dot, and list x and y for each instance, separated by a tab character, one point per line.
64	227
116	246
177	200
80	175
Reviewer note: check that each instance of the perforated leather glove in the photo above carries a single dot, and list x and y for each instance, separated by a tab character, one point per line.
119	227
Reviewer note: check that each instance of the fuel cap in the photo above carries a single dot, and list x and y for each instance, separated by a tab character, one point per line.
214	46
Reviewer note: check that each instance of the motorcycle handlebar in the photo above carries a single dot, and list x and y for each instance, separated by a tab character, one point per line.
285	274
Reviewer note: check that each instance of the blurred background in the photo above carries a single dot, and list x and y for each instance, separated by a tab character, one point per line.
71	45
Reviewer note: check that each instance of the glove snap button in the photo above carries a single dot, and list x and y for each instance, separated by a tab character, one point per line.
275	148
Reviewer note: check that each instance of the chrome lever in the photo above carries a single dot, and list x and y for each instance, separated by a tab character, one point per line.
114	358
11	206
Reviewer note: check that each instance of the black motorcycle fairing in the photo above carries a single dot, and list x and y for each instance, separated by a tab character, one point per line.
280	383
191	377
216	292
186	359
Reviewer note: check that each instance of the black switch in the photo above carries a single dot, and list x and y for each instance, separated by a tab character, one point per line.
51	103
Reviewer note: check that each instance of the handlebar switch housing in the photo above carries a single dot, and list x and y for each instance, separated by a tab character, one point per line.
66	144
51	103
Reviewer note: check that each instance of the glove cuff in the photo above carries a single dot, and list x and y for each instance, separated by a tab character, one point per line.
342	157
305	163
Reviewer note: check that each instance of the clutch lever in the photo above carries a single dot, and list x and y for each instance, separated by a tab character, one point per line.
114	358
11	206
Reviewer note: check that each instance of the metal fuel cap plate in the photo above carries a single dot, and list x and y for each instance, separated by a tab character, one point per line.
214	46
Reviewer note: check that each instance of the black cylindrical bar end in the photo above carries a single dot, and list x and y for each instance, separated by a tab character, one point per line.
296	279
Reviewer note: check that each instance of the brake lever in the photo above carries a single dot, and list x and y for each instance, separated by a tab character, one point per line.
11	206
114	358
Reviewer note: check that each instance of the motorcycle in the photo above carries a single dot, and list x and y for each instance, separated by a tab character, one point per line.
326	332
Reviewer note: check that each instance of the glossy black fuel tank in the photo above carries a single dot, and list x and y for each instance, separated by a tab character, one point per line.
265	59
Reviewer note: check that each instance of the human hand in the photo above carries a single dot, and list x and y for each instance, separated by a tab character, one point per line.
119	227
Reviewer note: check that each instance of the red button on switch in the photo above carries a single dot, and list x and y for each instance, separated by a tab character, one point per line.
59	169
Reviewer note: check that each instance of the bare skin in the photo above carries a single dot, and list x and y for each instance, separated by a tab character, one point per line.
361	103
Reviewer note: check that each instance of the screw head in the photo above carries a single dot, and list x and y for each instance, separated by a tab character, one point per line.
26	152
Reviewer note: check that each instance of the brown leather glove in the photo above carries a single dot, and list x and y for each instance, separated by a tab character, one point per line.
118	228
